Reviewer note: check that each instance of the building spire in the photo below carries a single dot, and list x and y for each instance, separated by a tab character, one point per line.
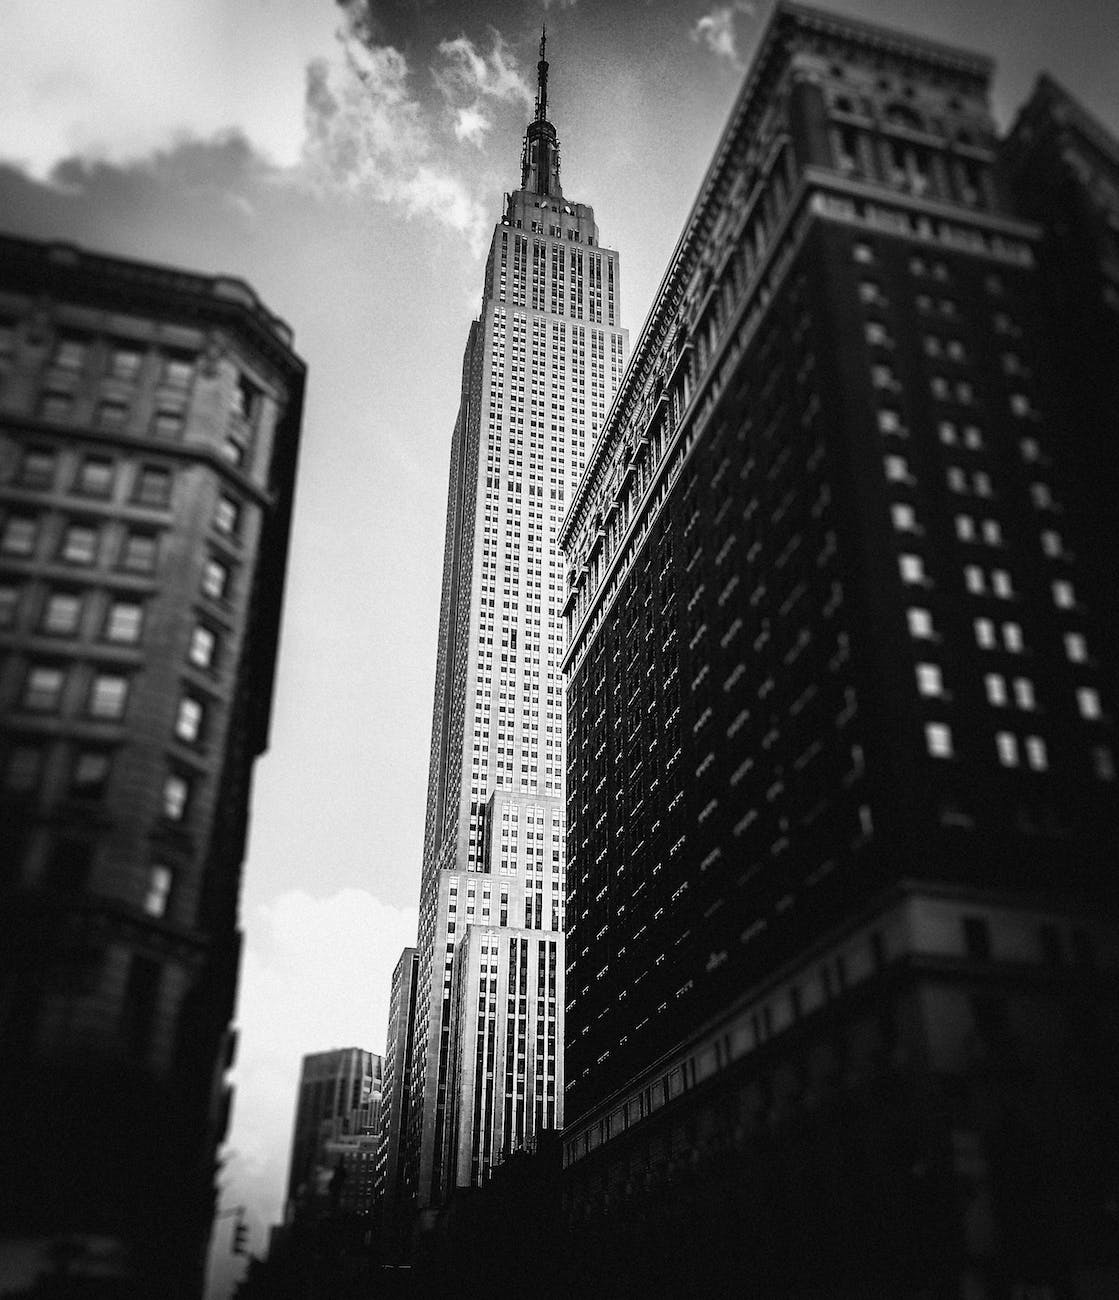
540	156
542	77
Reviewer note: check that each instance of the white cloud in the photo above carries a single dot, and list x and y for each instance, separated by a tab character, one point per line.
316	974
716	30
471	124
470	74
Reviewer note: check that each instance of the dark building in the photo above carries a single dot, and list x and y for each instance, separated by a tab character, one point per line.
391	1165
841	788
149	430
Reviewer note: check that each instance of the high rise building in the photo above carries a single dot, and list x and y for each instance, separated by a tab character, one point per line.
149	429
542	363
339	1096
841	786
391	1164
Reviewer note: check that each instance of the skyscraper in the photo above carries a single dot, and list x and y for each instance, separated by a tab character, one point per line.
841	784
542	363
394	1107
149	430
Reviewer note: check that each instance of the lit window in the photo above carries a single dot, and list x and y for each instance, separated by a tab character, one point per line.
995	685
1088	702
202	645
125	363
62	613
985	633
904	518
176	792
929	680
188	719
1003	587
139	553
957	480
965	528
889	421
1036	754
1063	595
897	470
1103	761
1041	495
920	624
158	893
881	376
973	439
70	354
108	695
912	569
1076	647
876	333
178	371
124	622
973	579
1019	404
1012	637
992	532
1051	544
1030	449
1006	744
215	579
938	739
946	431
42	689
1024	693
20	533
227	516
95	478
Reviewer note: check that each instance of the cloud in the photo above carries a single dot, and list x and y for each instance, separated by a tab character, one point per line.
471	124
316	974
716	30
468	73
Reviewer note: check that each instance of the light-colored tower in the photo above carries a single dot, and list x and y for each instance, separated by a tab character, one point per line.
541	367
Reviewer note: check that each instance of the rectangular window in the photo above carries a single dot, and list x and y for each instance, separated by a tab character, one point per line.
140	553
1006	745
62	613
1088	702
1076	647
929	679
153	486
125	362
20	534
188	719
112	415
36	469
56	407
178	371
176	796
995	685
912	569
70	353
79	544
227	516
203	643
215	579
89	774
95	477
42	688
167	424
9	604
1037	754
108	695
938	739
124	622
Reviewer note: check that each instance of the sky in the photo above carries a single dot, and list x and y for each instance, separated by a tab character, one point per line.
348	160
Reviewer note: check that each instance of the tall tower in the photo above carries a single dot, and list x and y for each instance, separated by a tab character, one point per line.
542	363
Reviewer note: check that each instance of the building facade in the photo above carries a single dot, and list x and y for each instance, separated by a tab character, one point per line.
542	363
149	429
841	787
339	1096
391	1164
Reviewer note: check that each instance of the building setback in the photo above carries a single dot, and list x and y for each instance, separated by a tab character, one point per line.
542	363
841	800
149	429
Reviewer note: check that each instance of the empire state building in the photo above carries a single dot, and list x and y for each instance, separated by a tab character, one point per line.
542	363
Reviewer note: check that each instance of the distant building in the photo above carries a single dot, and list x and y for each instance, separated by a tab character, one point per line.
339	1097
390	1164
149	431
841	801
541	366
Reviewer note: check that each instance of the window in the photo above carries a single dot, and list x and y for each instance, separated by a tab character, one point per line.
188	719
176	795
42	688
89	774
889	421
233	451
36	469
167	424
1103	763
938	739
125	362
227	516
245	396
965	528
79	544
1024	695
178	370
1088	702
108	695
140	553
904	518
985	633
1006	745
995	684
62	613
153	486
929	679
9	604
1012	637
215	579
56	406
95	477
920	624
897	470
112	415
124	622
1036	754
158	892
974	580
1076	647
203	642
20	534
912	569
1003	587
1064	597
70	354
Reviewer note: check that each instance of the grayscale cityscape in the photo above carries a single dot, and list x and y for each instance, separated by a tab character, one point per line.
508	788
